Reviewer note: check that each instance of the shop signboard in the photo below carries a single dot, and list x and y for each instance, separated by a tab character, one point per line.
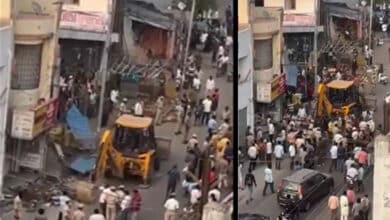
31	160
83	21
29	123
267	92
298	20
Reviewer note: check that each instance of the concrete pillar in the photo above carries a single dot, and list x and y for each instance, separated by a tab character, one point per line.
386	118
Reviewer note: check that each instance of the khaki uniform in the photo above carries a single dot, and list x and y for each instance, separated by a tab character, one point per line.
79	215
111	200
159	109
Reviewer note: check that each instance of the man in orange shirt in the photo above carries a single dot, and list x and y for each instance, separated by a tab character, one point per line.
362	157
333	205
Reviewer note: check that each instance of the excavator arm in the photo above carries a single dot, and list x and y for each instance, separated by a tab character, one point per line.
103	156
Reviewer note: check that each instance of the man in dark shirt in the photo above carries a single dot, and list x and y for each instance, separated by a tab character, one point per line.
250	181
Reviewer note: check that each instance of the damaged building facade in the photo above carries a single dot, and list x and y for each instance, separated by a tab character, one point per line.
346	15
148	32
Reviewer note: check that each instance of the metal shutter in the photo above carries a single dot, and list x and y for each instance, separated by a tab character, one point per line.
27	67
263	54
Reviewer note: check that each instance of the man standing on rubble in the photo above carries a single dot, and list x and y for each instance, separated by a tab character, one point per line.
159	108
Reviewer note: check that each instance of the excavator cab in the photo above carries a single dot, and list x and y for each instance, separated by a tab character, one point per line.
337	97
129	149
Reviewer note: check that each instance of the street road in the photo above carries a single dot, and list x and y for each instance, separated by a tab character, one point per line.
268	205
153	197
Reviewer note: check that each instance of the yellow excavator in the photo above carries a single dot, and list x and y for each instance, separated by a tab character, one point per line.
128	149
337	97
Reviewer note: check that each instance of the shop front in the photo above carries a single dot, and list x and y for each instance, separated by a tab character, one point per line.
28	136
270	97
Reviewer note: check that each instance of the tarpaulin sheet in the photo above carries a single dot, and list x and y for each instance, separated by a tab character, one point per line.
83	164
292	73
79	126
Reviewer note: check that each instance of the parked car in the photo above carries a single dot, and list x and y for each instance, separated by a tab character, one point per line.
247	216
303	188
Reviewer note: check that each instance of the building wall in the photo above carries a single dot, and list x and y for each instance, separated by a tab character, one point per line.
301	6
245	70
272	17
6	53
32	28
87	5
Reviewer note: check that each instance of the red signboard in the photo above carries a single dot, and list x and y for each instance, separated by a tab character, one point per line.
84	21
298	20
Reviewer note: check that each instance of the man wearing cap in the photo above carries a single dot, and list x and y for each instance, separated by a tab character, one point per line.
193	140
79	213
102	199
111	202
171	206
159	108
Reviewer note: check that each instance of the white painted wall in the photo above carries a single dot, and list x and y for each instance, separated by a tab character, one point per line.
6	53
301	6
245	66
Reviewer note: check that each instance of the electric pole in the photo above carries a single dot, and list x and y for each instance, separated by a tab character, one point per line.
370	25
189	34
104	61
316	47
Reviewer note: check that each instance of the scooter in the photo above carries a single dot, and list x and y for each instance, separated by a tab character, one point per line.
382	79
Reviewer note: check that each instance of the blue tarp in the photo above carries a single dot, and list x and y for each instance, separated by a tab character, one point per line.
292	74
79	126
83	165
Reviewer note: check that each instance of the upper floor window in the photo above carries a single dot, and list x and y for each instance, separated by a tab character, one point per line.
290	5
72	2
259	3
263	54
27	67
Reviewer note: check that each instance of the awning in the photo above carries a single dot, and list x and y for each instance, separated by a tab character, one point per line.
85	35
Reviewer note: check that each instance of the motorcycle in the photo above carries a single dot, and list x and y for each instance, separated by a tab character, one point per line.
351	182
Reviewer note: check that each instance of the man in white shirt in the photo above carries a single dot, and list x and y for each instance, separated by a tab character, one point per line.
210	86
216	193
349	163
196	83
96	215
171	206
333	155
302	112
278	152
102	198
252	154
269	181
352	173
64	200
114	96
180	118
196	194
139	109
207	103
268	153
271	131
